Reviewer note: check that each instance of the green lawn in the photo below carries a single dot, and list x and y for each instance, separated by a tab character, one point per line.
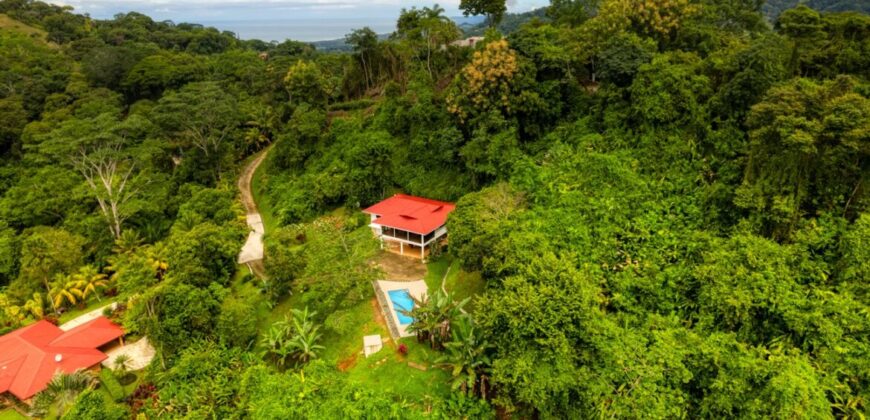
106	376
386	370
389	371
460	283
76	312
264	204
10	414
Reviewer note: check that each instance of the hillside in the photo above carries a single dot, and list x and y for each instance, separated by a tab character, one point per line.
652	212
773	8
12	25
510	23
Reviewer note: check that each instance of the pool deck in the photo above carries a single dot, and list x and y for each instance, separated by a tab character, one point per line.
416	288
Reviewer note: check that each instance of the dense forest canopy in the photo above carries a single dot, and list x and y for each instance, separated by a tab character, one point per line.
666	202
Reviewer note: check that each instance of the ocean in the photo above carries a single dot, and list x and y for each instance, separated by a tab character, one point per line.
308	30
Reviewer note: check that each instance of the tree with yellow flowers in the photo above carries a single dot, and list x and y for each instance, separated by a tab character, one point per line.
486	83
655	18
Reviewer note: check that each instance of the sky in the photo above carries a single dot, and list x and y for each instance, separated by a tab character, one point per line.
304	17
190	10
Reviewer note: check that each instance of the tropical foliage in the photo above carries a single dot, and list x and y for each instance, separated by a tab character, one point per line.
663	204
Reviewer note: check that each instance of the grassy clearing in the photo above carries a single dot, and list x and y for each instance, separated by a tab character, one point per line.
389	371
12	25
386	370
460	283
76	312
264	203
359	321
11	414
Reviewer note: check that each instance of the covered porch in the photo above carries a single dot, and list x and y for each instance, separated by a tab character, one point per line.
407	243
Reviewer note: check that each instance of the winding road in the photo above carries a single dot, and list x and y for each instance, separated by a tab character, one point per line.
252	252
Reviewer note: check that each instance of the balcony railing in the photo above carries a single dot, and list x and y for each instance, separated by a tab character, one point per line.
403	235
411	237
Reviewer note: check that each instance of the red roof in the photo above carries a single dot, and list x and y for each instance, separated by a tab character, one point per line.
414	214
29	356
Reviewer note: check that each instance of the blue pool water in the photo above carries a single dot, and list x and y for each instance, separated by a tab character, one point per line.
402	301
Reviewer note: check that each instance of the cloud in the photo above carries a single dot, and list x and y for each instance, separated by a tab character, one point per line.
276	19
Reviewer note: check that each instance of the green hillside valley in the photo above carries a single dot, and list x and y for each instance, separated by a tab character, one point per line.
621	209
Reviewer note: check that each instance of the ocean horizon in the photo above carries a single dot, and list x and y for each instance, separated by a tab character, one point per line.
306	30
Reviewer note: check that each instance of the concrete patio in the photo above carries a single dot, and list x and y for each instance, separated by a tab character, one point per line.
140	353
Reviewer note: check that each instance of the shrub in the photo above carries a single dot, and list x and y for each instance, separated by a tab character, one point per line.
352	105
127	379
108	379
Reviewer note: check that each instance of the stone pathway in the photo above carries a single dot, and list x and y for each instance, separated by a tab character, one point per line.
252	251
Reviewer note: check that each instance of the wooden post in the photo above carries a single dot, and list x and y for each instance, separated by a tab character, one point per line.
422	249
402	248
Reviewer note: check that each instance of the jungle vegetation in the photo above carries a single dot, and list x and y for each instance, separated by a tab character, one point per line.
666	202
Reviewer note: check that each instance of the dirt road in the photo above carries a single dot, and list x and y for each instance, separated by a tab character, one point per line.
252	252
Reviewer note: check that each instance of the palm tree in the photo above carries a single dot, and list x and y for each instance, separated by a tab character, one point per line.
467	356
158	263
62	391
122	363
261	125
88	279
422	318
35	306
128	242
67	290
76	288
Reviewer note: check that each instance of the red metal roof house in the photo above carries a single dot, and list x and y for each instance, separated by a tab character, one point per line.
30	356
409	222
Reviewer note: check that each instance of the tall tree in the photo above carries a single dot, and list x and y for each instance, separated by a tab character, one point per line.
494	10
46	252
571	12
304	82
365	46
803	26
100	150
202	116
428	30
809	153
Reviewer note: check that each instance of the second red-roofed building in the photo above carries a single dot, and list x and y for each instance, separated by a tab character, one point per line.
410	225
32	355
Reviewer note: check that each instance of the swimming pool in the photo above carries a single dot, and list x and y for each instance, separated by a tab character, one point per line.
402	301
